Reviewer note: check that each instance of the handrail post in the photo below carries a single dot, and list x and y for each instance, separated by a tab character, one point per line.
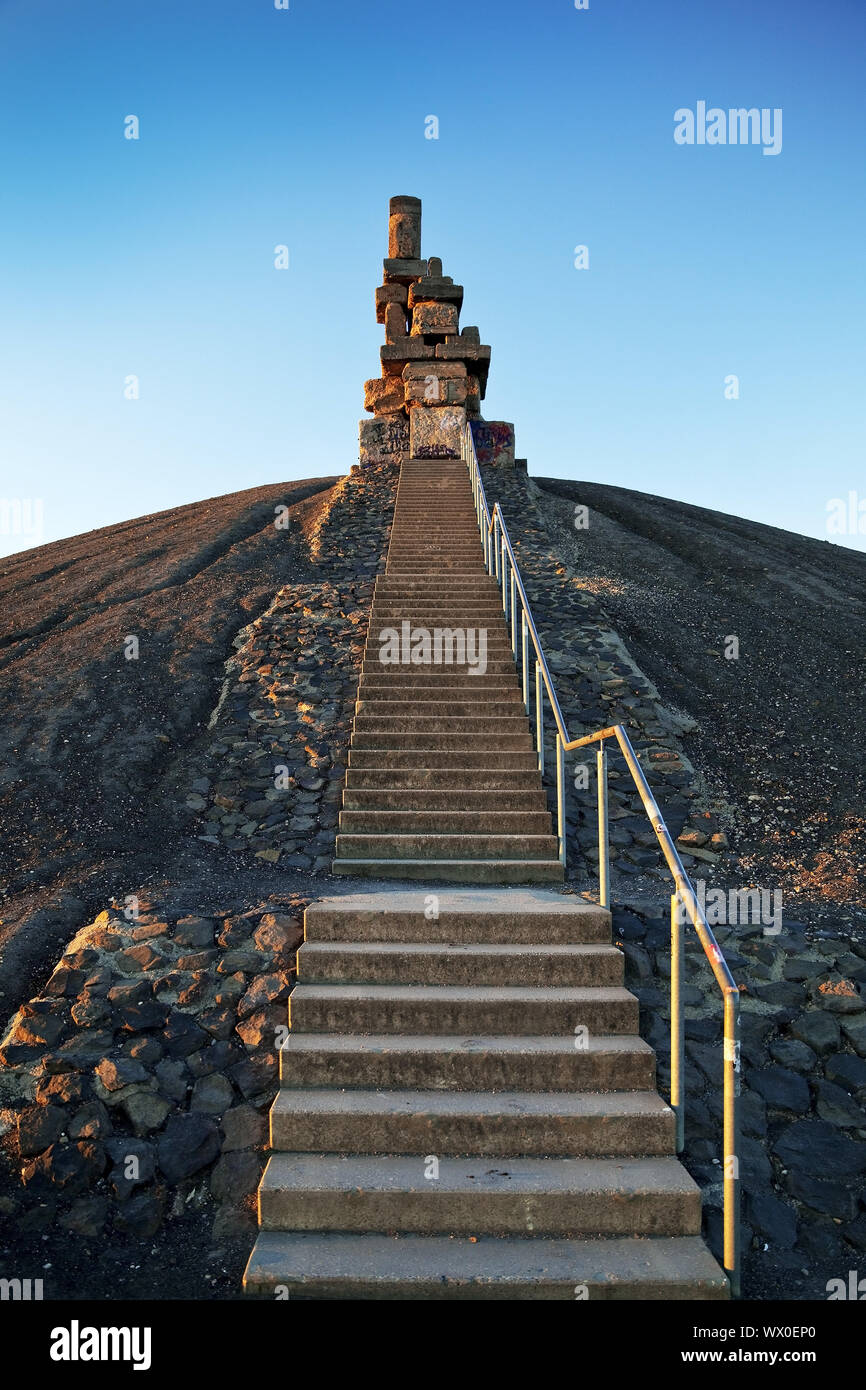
495	546
677	1038
513	612
525	654
603	846
560	796
504	575
539	717
730	1139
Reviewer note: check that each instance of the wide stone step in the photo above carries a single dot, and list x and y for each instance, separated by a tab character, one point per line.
442	846
406	799
444	779
454	870
490	1124
410	1267
493	760
496	668
441	821
511	916
474	1196
430	709
461	1009
392	683
428	963
508	727
488	1063
420	742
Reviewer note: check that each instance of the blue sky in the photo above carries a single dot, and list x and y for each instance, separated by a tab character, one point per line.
259	127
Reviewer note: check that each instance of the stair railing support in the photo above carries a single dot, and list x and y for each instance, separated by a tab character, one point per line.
539	716
603	843
560	797
524	645
677	1033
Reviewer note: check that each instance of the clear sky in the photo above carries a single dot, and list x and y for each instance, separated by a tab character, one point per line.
154	257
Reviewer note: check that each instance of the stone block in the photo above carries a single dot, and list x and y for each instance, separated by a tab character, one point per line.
436	432
395	322
432	319
435	383
405	350
383	394
403	270
404	228
438	289
384	439
389	294
494	442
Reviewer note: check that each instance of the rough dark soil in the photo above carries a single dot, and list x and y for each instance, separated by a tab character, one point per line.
782	727
85	733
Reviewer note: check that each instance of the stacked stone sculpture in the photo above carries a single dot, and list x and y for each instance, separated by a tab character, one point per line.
434	375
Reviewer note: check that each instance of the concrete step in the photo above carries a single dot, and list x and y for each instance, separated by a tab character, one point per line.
507	728
497	668
461	1009
449	779
429	963
443	846
494	1062
447	821
492	706
403	799
453	870
487	760
478	742
391	683
406	1267
473	1196
489	1124
511	916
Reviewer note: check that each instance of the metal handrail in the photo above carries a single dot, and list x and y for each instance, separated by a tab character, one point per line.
501	563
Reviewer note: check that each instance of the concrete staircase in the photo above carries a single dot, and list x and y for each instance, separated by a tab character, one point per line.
467	1111
442	781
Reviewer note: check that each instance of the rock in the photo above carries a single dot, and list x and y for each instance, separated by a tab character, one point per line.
68	1166
145	1110
146	1049
182	1035
235	1176
264	990
38	1127
814	1146
86	1216
855	1233
781	1089
188	1144
141	1216
194	931
212	1094
855	1031
845	1069
172	1078
255	1076
835	1105
818	1030
792	1053
839	996
64	1088
243	1128
117	1072
773	1219
134	1163
829	1198
92	1121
